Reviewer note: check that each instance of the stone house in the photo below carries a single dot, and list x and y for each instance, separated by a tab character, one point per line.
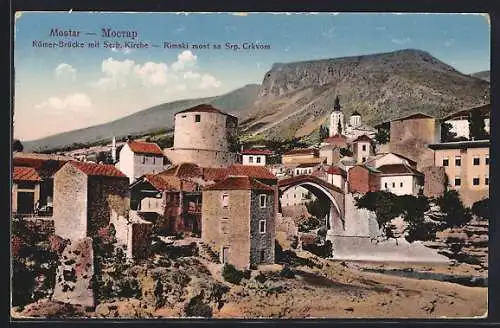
331	153
255	156
138	158
45	166
401	179
363	179
306	169
337	177
25	190
362	148
238	216
410	135
467	167
389	159
338	140
88	197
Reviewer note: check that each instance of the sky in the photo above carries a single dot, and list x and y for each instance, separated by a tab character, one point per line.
61	89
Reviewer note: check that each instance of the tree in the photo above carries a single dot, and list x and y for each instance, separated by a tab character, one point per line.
324	132
345	152
455	213
446	134
339	127
17	146
383	135
318	208
476	125
482	209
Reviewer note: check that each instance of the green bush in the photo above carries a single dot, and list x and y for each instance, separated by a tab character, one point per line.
286	272
197	308
231	274
482	209
261	278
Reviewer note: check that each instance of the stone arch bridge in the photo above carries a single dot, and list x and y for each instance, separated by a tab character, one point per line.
322	190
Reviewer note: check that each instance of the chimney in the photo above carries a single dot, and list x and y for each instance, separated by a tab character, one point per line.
113	150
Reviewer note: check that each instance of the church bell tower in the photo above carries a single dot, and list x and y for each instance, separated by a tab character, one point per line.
337	124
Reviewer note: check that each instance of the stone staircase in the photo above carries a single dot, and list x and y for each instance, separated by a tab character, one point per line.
207	253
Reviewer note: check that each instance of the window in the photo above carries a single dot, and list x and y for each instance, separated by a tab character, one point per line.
458	181
487	181
487	161
363	159
475	161
385	185
250	159
143	159
393	185
475	181
446	162
364	147
458	161
401	185
154	160
262	200
262	255
262	226
225	200
197	118
258	159
224	226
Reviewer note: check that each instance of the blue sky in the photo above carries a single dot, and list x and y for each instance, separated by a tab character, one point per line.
61	89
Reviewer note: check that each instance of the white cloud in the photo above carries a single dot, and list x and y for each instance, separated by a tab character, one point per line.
152	74
116	73
73	102
126	51
401	41
202	81
448	42
184	60
65	70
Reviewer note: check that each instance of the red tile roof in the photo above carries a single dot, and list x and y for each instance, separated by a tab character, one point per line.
398	169
363	137
39	163
214	173
256	152
337	171
307	151
239	183
257	172
92	169
183	170
22	173
336	140
203	108
158	182
148	148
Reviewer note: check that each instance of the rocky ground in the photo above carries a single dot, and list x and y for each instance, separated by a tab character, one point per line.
312	288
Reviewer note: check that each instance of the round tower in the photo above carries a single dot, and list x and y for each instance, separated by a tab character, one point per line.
337	124
205	136
355	119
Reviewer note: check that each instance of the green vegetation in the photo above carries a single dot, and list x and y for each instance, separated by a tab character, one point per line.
446	134
482	209
318	208
231	274
383	134
17	145
477	129
324	132
421	222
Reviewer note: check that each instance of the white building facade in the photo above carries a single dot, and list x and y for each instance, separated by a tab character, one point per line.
138	158
255	157
400	179
337	120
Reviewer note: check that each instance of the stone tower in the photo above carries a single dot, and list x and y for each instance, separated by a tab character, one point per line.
337	124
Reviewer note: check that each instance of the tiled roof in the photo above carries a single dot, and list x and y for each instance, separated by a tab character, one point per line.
148	148
336	171
256	152
398	169
239	183
103	170
461	144
183	170
306	151
336	139
368	168
214	173
23	173
39	163
363	137
379	156
203	108
158	182
257	172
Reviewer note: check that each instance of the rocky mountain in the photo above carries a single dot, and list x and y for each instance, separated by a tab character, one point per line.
295	98
483	75
151	119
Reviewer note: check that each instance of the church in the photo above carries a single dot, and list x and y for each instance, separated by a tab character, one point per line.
353	129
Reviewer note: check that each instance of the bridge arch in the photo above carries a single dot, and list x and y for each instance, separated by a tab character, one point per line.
321	189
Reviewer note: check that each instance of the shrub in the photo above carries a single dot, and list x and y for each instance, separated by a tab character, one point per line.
231	274
197	308
286	272
247	274
482	209
261	278
456	214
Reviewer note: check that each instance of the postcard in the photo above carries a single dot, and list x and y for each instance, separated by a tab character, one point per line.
250	165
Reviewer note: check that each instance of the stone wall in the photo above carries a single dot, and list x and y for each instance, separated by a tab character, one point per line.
107	196
262	242
70	203
434	181
227	227
358	222
201	157
139	239
73	277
